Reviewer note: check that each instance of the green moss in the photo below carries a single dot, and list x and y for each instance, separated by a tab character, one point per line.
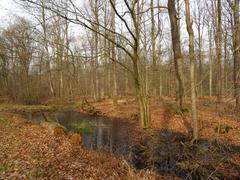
223	129
3	122
176	111
85	127
2	169
63	108
39	172
34	108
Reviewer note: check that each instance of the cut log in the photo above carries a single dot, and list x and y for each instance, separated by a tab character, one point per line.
52	125
75	138
58	131
54	128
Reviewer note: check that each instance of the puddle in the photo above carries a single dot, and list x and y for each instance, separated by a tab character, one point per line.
96	132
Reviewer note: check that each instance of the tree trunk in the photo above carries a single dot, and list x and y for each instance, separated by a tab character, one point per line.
114	57
153	44
47	51
200	63
210	61
219	52
192	71
142	97
177	51
140	81
96	46
236	46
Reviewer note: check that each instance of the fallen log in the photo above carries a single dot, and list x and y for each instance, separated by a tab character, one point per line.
53	126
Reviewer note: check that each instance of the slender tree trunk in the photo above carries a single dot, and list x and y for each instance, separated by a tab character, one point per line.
236	47
153	44
159	31
47	51
210	62
126	83
114	57
199	17
225	65
141	91
200	62
219	52
177	51
93	77
59	56
109	76
96	46
192	71
66	58
139	79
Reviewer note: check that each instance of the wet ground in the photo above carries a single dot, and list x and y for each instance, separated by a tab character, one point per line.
97	132
164	151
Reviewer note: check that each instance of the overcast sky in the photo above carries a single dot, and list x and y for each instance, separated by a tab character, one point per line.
8	9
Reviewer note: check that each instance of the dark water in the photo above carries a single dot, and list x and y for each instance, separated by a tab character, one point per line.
97	132
113	135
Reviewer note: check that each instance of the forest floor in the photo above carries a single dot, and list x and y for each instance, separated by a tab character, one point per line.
29	151
216	155
165	116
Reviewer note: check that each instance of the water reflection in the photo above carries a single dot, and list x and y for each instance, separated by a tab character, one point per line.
97	132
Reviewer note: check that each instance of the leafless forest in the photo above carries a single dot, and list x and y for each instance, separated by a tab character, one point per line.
161	65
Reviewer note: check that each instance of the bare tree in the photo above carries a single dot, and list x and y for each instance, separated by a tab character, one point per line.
199	19
192	70
218	41
176	50
114	54
236	52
